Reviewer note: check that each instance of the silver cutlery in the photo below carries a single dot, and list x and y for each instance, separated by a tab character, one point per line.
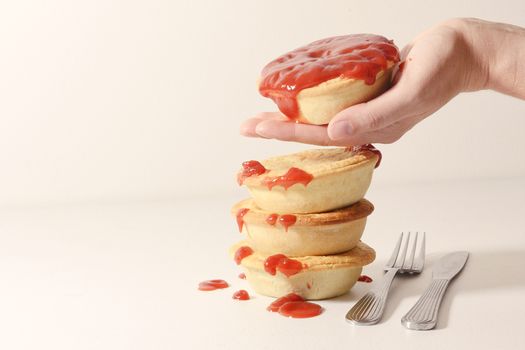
369	309
423	315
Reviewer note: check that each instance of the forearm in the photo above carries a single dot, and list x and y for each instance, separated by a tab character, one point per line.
497	56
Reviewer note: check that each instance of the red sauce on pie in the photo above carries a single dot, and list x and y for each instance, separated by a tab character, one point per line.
300	309
274	307
287	220
242	253
271	263
241	295
371	148
250	168
272	219
368	147
292	177
240	217
283	264
242	276
358	56
365	278
213	285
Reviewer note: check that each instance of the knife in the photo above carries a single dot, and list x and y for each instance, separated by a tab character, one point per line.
423	315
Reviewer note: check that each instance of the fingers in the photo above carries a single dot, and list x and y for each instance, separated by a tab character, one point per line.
375	114
381	120
248	126
273	125
376	121
389	108
296	132
389	134
405	51
272	128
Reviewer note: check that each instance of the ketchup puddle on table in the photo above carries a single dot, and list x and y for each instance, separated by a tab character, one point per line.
290	305
293	305
365	278
241	295
213	285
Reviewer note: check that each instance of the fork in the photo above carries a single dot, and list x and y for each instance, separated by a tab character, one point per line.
369	309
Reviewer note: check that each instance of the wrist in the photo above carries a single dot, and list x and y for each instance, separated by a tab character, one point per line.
496	55
474	63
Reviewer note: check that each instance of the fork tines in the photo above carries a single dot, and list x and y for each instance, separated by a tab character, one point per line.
410	264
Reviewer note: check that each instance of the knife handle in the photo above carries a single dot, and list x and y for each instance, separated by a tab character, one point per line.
423	315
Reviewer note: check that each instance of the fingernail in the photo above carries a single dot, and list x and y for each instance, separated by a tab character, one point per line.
340	130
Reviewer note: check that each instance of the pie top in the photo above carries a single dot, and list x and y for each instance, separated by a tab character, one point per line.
360	255
316	162
356	211
357	56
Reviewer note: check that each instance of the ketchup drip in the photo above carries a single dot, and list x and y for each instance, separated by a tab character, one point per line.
292	177
242	276
293	305
283	264
365	278
240	217
213	285
272	219
250	168
242	253
241	295
359	56
287	221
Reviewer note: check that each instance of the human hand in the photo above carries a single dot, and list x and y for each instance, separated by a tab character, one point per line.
437	65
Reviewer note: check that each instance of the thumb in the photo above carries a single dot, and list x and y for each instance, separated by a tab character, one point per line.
375	114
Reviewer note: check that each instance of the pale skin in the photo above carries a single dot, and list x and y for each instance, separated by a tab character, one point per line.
459	55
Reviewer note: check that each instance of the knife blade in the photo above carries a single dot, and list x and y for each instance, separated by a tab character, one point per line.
423	315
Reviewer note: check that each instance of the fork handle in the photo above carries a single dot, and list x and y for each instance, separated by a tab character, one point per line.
423	315
369	309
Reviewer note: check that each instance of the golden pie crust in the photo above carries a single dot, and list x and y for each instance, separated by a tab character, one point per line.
340	177
359	256
312	234
319	104
356	211
322	277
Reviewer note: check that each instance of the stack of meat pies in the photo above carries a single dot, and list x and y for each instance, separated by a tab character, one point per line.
304	222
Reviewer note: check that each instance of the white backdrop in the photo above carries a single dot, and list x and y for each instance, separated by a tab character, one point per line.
143	99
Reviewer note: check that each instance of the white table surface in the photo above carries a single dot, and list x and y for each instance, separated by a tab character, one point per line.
125	275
